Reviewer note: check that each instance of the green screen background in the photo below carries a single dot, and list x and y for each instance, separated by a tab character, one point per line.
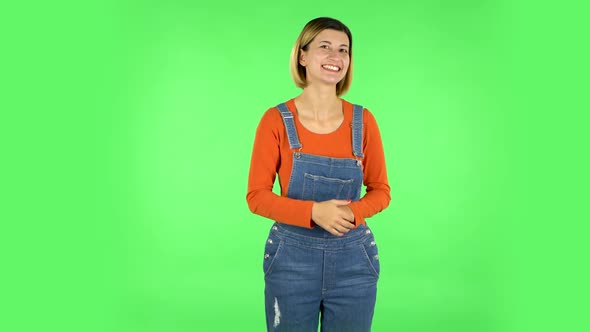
127	134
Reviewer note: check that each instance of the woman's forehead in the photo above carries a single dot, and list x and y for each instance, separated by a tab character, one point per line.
332	36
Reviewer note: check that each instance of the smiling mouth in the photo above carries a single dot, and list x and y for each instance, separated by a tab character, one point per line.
331	68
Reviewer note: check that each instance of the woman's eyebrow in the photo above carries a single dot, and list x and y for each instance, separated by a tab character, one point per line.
328	42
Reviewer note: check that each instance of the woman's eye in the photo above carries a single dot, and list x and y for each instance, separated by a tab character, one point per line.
323	46
344	50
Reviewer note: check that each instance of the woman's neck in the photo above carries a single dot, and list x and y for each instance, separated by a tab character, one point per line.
321	102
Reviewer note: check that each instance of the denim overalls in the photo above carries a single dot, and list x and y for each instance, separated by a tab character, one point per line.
308	271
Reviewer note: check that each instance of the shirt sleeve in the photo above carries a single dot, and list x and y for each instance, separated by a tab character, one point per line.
377	195
264	164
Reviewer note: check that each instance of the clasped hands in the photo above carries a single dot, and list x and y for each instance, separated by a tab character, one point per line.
335	216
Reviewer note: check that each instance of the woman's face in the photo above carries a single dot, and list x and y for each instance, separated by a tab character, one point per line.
327	57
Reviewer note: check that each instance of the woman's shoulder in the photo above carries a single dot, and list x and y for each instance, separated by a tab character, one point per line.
367	115
272	117
274	112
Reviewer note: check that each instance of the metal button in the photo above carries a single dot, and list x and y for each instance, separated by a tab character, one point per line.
266	256
372	243
275	228
368	231
270	241
376	257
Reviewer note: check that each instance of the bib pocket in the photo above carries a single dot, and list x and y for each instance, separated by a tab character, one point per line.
321	188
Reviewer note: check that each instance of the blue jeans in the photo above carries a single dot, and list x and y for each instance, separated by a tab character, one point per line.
310	272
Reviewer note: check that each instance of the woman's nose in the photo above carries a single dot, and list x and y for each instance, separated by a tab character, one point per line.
334	54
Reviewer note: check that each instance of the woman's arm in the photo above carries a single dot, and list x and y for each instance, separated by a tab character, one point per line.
264	164
377	195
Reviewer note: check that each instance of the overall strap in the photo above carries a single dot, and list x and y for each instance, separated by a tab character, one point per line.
357	131
290	126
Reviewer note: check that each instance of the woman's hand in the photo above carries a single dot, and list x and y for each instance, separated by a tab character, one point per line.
334	216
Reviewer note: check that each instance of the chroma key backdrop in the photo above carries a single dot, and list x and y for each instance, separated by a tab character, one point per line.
127	134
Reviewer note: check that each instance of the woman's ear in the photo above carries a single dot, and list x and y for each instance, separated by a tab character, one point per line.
302	58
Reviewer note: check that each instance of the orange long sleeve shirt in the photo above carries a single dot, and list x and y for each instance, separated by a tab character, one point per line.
272	155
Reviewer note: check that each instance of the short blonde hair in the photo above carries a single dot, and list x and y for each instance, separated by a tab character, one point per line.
309	32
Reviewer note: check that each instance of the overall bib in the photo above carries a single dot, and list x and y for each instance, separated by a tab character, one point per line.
310	271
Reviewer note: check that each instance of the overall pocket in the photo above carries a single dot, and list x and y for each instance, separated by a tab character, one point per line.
272	250
371	253
321	188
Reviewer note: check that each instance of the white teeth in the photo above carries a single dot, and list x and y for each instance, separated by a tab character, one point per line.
329	67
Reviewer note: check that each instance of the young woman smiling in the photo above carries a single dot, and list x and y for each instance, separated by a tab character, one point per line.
321	262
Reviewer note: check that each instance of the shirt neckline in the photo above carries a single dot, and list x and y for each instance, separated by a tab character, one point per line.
293	108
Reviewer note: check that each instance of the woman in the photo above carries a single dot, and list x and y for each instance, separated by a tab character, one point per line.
320	257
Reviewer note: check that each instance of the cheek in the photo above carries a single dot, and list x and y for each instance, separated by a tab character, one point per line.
346	63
